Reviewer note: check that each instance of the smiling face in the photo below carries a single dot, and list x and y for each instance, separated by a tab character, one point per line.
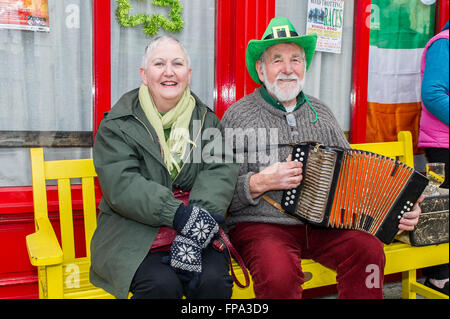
282	70
167	74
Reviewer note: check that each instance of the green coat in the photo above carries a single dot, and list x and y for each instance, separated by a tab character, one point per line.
137	188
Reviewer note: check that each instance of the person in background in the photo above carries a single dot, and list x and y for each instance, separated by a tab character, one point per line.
433	129
147	241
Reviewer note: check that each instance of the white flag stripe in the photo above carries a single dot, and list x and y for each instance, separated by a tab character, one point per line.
394	75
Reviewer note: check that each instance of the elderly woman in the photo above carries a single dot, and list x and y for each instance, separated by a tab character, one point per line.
149	242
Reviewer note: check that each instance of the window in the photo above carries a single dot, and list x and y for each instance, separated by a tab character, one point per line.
46	90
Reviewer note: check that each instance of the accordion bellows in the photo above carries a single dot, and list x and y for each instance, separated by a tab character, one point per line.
352	189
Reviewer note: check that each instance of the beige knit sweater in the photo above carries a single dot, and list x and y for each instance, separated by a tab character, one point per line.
253	123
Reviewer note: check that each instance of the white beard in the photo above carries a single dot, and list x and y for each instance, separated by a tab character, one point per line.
280	94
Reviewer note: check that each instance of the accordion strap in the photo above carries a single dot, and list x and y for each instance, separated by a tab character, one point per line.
273	203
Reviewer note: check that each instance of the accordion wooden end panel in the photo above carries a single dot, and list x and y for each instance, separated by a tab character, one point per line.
352	189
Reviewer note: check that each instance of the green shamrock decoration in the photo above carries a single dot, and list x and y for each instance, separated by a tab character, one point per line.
151	24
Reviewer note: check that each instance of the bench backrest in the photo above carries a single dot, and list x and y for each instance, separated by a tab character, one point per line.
401	149
65	170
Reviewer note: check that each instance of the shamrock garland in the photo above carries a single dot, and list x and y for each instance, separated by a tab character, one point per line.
151	24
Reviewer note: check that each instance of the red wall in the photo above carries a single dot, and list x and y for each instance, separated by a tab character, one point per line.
237	22
442	17
18	278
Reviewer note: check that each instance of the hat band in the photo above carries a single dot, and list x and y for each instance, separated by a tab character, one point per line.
281	34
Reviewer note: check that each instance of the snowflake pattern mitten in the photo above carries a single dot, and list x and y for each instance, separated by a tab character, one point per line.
196	224
186	255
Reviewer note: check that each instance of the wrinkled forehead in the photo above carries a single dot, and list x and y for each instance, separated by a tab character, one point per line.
284	49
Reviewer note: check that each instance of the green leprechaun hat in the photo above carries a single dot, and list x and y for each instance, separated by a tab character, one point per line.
280	30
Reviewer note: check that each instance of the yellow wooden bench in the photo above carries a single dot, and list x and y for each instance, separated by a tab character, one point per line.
62	275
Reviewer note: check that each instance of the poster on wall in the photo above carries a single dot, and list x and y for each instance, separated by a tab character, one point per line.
29	15
326	19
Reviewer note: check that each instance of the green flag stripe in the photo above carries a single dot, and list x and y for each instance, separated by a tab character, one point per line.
400	24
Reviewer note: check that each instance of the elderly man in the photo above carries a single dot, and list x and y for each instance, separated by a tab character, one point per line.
270	242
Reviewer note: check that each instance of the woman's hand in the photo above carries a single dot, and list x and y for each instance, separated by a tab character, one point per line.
197	224
195	227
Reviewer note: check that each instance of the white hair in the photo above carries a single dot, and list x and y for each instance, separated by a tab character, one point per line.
155	42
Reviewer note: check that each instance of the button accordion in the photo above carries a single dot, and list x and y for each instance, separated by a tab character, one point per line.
352	189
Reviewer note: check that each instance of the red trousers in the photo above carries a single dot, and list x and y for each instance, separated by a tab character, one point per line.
273	254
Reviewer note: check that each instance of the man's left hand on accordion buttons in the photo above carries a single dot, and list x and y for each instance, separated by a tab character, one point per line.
411	218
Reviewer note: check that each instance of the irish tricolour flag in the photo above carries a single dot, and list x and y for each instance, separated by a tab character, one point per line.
400	30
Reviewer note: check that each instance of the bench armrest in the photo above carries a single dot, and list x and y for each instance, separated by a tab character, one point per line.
43	246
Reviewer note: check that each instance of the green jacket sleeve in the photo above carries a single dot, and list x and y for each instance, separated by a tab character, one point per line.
124	188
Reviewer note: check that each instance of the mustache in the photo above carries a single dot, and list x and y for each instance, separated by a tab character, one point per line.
287	77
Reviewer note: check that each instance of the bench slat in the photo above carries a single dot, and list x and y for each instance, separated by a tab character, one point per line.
66	219
90	211
78	168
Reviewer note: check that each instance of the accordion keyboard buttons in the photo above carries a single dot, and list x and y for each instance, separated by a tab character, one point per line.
407	208
299	154
289	200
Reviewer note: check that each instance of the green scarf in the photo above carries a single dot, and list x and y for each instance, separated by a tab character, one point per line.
177	120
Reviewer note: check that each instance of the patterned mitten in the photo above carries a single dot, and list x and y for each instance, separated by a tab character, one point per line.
196	224
185	254
185	257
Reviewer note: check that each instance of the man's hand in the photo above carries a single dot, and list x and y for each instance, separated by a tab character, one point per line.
411	218
278	176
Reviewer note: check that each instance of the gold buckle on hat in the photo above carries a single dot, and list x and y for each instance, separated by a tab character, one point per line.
284	28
